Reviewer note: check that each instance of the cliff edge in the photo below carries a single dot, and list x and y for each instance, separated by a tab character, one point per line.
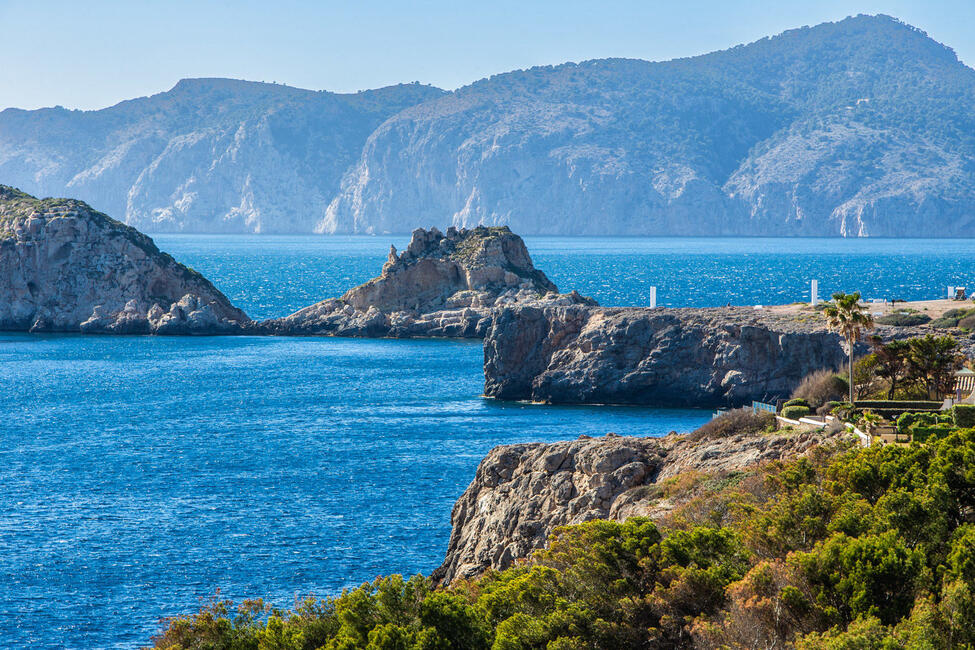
671	357
442	285
65	267
521	492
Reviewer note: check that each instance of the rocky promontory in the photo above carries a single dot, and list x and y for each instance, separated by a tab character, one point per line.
65	267
670	357
522	492
443	285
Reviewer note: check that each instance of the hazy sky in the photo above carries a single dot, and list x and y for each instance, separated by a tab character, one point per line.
91	53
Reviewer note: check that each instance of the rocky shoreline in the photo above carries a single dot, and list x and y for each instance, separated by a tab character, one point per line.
65	267
521	492
678	357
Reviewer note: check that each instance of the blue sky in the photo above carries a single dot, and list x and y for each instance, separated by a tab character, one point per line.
91	54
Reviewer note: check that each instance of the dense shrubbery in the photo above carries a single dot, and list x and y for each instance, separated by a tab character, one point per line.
735	422
865	548
908	420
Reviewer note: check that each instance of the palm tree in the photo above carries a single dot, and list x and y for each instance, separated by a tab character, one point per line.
846	317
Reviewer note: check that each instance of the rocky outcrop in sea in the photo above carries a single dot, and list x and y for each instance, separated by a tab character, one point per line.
669	357
65	267
522	492
443	285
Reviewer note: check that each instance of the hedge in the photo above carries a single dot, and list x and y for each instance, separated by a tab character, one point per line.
916	405
963	415
795	412
908	420
922	434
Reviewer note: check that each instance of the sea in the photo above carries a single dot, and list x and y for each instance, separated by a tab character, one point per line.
141	477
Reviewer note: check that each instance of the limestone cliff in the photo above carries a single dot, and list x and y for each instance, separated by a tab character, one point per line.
446	285
855	128
65	267
522	492
671	357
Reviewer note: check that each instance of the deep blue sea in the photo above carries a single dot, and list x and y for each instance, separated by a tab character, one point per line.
141	474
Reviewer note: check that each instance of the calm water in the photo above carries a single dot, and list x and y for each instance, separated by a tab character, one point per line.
140	474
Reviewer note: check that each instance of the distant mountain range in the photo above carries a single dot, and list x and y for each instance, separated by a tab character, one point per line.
863	127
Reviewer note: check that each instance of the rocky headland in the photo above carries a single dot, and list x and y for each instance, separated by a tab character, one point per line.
65	267
698	357
521	492
443	285
673	357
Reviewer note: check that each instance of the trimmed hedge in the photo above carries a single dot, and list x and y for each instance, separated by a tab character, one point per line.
908	421
923	434
917	405
963	415
795	412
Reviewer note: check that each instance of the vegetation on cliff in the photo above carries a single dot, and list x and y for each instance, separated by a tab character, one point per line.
865	548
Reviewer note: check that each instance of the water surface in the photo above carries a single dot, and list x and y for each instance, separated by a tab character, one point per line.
140	474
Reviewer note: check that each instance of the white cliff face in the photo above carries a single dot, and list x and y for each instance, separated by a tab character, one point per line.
66	267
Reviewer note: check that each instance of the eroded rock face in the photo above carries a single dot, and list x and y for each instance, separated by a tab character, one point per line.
672	357
522	492
67	268
442	285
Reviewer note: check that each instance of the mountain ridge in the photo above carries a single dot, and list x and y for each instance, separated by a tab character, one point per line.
852	128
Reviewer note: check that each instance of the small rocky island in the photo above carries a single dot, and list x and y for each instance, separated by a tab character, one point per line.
442	285
65	267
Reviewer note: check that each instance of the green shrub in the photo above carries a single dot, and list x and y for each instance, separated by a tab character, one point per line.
967	323
901	319
925	419
798	401
795	412
952	317
922	433
963	415
828	407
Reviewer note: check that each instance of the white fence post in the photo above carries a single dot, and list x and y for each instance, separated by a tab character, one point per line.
653	297
814	290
